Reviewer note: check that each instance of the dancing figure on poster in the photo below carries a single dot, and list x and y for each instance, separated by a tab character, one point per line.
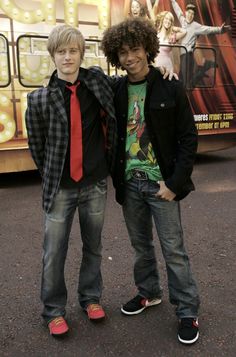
135	8
168	35
194	29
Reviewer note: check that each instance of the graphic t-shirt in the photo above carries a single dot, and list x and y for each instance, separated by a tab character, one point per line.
139	151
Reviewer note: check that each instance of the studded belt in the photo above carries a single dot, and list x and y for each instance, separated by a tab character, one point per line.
139	174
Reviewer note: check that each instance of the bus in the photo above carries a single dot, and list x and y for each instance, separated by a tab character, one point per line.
211	82
25	65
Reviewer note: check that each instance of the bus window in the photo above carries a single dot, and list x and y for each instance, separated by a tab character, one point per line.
34	62
204	67
176	59
173	56
5	74
94	55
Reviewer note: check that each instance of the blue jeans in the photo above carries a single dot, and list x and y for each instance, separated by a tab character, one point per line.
140	206
90	202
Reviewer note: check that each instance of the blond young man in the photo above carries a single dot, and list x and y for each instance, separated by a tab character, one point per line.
49	119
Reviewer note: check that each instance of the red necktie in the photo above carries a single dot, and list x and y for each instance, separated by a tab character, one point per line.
76	149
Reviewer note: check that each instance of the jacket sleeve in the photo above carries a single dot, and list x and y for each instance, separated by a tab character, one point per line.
178	12
35	126
186	142
206	30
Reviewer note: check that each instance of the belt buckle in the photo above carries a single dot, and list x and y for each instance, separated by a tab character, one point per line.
139	175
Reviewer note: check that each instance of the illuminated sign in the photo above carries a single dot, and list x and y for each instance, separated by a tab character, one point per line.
47	12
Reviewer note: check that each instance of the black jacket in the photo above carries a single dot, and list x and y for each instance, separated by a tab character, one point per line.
171	129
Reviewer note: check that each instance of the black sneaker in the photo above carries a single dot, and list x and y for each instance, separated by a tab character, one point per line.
188	330
138	304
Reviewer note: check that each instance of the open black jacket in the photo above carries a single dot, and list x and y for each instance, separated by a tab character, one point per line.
171	129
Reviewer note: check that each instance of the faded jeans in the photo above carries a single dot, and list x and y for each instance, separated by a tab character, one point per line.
90	202
140	207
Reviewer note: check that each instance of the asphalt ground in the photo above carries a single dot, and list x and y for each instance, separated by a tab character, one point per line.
208	217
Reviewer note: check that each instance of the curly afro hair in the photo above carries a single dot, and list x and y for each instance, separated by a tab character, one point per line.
131	32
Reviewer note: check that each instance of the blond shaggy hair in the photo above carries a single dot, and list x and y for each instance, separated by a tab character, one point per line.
63	35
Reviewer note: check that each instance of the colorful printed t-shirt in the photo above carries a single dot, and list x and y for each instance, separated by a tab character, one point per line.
139	151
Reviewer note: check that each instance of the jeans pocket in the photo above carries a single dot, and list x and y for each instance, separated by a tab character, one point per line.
154	187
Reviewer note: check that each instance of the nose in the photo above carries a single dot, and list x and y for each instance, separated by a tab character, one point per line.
67	55
130	56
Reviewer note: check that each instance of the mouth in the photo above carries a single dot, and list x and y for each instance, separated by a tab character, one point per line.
131	65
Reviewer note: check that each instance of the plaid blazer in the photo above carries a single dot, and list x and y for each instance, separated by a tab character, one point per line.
47	127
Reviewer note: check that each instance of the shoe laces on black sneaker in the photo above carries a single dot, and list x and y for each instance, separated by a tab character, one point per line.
188	330
137	301
186	322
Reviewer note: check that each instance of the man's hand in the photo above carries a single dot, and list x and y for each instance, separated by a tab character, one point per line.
165	193
168	73
224	28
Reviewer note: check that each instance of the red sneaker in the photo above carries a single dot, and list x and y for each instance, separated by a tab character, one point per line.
95	312
58	326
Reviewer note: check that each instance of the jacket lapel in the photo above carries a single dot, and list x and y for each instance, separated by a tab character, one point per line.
56	100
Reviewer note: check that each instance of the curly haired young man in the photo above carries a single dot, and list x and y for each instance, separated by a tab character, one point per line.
157	143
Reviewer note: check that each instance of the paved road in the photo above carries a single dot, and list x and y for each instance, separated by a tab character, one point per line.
209	222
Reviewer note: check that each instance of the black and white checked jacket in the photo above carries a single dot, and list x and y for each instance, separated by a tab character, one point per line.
47	127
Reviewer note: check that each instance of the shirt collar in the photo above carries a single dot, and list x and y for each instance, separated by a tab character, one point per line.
62	83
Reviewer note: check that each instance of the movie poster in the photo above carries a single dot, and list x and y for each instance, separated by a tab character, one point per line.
210	80
25	63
